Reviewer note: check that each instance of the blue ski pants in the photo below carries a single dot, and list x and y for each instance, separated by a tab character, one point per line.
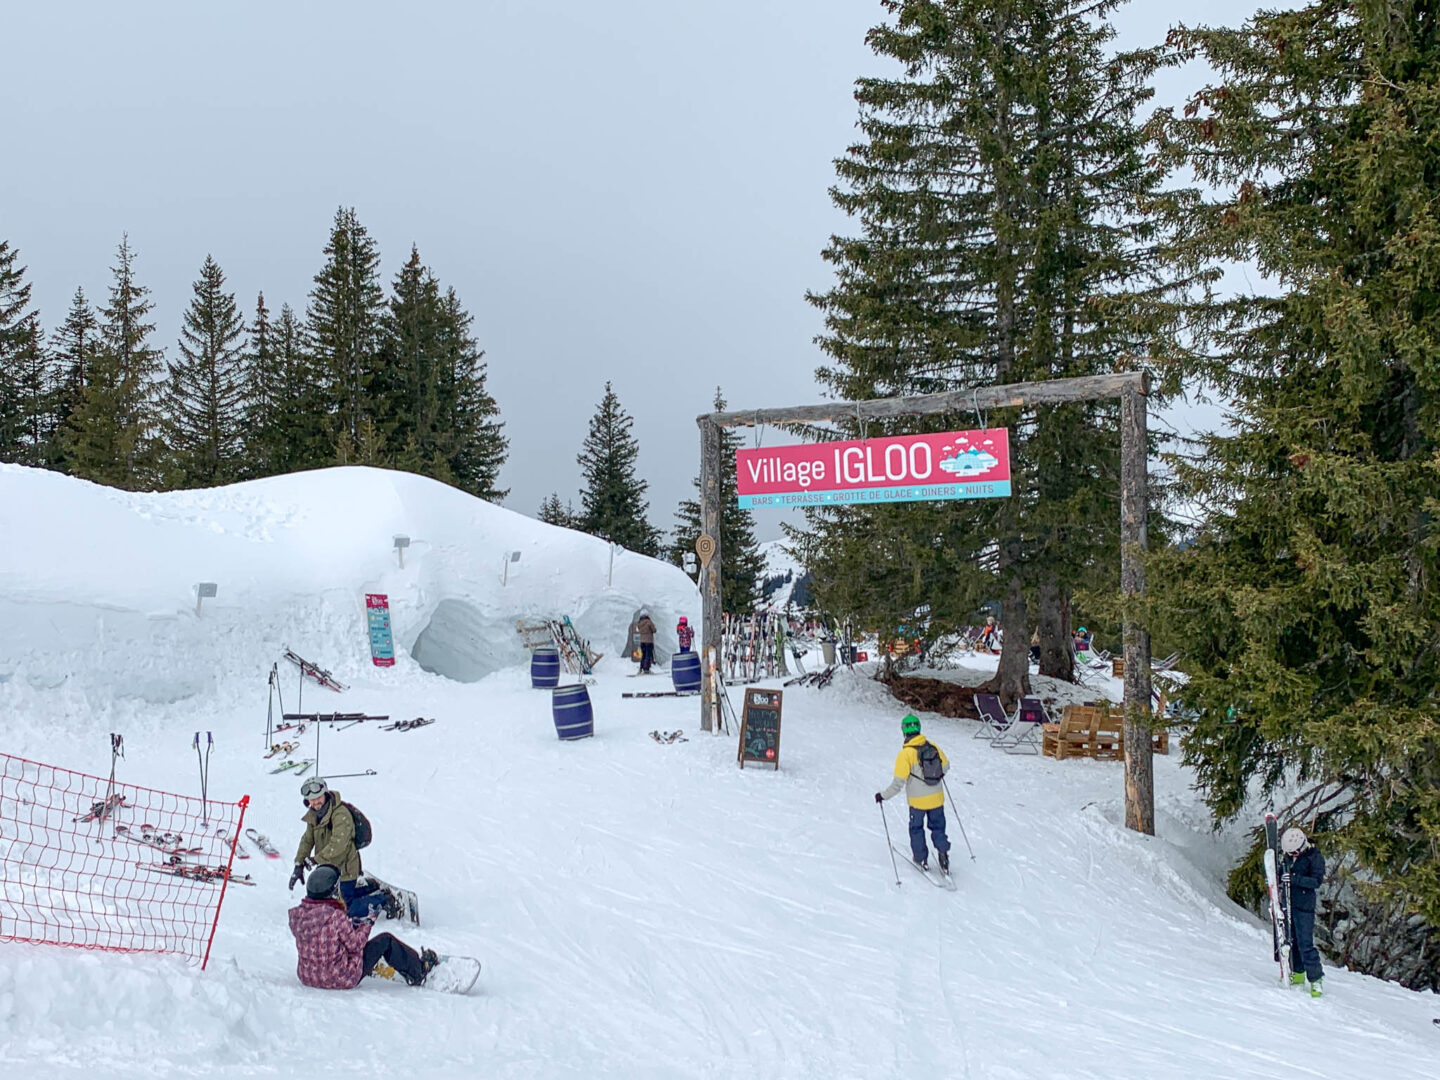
1303	953
360	900
936	820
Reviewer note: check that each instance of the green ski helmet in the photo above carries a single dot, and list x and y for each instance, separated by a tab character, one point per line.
910	726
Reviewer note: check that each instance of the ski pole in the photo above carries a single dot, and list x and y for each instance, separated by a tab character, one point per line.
958	821
888	844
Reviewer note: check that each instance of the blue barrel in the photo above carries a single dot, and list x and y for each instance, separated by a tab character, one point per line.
545	667
685	671
574	718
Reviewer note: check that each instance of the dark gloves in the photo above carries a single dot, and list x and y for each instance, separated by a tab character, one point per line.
879	797
295	877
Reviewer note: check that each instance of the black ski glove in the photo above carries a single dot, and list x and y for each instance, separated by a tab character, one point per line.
295	877
879	797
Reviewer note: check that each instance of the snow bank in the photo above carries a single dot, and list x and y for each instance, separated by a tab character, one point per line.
103	582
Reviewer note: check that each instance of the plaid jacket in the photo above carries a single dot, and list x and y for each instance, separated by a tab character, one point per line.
330	944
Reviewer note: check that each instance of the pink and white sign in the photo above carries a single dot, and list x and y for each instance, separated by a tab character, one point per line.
901	468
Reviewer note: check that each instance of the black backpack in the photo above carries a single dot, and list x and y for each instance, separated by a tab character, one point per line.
932	770
363	833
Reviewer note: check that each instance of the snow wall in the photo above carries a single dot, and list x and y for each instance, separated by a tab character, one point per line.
104	581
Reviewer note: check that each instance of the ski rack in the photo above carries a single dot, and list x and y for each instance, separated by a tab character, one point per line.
579	657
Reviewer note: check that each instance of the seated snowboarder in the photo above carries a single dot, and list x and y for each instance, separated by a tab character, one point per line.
330	838
334	953
1302	871
919	768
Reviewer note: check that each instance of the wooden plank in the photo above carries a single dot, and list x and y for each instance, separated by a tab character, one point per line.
965	402
1134	506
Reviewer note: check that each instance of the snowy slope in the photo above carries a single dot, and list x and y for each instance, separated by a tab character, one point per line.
779	562
642	910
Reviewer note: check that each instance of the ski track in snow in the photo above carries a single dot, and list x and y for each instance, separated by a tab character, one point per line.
642	910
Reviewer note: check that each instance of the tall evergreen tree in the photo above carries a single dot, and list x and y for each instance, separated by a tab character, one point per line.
285	404
1308	603
73	346
741	561
406	390
613	503
19	353
343	322
110	436
203	408
1000	188
472	434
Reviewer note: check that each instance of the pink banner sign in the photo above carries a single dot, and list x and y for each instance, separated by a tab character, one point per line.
902	468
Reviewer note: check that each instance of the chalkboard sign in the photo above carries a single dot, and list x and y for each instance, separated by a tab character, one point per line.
760	728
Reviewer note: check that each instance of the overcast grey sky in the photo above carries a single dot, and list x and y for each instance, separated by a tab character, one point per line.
632	190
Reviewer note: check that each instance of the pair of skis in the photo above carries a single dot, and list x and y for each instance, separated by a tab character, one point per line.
100	811
207	875
300	767
943	881
407	725
313	671
1279	899
172	844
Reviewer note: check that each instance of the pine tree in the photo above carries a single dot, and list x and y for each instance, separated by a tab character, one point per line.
405	394
203	409
1308	601
110	436
612	503
1001	187
343	322
741	561
260	388
19	354
72	352
554	512
471	432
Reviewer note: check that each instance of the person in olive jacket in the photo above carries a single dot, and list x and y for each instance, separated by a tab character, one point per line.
926	798
330	840
1302	871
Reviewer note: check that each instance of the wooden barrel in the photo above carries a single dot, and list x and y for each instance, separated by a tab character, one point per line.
685	672
545	667
574	719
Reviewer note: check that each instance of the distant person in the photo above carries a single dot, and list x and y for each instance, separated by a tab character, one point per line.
645	630
336	951
990	635
1035	646
919	769
330	839
1302	871
1083	638
685	634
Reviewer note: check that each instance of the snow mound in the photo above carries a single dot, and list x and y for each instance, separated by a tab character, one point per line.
104	581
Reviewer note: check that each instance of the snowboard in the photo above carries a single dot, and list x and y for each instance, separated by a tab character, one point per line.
452	975
409	902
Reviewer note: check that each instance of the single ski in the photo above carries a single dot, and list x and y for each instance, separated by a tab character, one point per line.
660	693
101	810
261	841
319	674
1279	913
233	840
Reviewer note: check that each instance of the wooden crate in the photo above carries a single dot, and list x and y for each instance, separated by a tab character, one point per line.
1117	666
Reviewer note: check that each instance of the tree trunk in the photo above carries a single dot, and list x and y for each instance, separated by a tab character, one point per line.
1012	678
1057	644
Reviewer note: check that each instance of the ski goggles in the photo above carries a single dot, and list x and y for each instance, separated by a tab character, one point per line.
313	788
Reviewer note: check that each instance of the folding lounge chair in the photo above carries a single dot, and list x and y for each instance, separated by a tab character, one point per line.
992	717
1022	735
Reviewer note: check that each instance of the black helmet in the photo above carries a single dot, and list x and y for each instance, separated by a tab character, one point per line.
324	880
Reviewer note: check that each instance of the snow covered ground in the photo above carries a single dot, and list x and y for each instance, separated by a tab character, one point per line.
642	910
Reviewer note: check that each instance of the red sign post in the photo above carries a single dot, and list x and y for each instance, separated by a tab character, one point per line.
902	468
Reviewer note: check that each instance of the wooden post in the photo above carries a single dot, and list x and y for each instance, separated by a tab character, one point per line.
1139	760
710	466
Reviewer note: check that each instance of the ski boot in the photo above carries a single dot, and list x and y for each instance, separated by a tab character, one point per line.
1317	988
1297	978
924	865
428	959
393	908
945	862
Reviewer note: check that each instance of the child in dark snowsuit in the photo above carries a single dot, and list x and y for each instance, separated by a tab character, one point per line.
1302	871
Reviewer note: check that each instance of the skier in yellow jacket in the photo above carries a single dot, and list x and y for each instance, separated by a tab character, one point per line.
919	768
